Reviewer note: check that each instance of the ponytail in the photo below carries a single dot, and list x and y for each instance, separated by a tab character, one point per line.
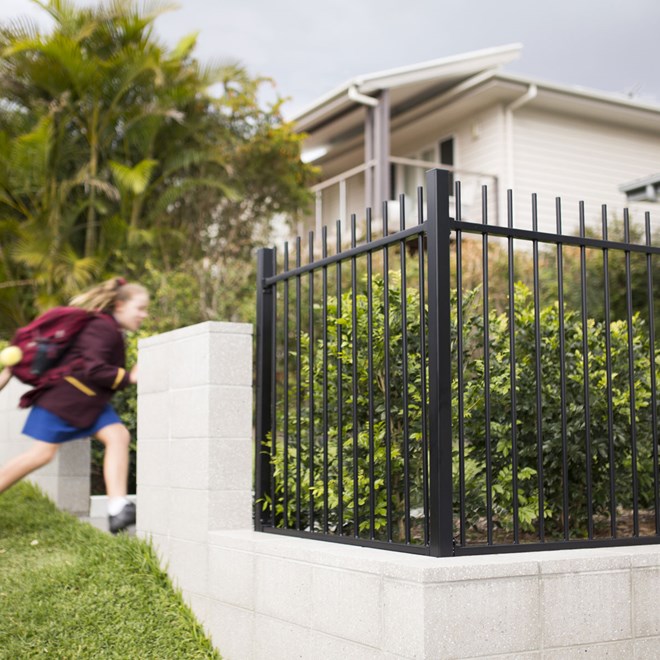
103	297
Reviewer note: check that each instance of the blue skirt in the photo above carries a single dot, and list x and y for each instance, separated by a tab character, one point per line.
48	427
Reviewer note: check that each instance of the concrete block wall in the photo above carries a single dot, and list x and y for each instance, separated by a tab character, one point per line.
270	596
66	480
281	597
194	467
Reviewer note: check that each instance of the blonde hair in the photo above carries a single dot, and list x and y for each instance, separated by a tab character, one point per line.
103	297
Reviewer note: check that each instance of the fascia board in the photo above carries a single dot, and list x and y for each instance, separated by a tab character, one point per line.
328	105
449	67
466	64
583	93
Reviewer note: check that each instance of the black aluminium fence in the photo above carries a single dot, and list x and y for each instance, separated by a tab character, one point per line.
426	391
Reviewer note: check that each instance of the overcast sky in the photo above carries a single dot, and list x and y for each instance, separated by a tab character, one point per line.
310	47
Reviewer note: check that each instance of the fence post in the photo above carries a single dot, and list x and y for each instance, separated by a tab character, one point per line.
439	305
264	372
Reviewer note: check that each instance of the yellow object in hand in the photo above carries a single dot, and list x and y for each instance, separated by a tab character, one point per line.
10	356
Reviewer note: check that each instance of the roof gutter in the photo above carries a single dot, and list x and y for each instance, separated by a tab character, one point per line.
531	93
354	95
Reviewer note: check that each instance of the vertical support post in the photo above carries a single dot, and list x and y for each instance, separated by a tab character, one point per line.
370	201
343	201
318	211
439	302
382	148
264	368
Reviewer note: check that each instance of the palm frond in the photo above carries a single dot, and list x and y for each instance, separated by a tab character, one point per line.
218	70
60	10
141	237
136	178
174	193
32	253
18	46
147	10
188	158
184	47
114	232
30	153
9	228
21	28
75	272
104	187
151	9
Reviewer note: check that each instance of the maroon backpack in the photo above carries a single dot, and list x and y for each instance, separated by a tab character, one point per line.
45	341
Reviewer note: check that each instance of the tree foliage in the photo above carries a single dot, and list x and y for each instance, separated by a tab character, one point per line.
119	155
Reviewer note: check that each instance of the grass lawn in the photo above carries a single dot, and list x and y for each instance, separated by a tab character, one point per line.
68	590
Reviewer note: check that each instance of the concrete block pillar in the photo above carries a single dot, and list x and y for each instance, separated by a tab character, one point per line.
66	480
194	443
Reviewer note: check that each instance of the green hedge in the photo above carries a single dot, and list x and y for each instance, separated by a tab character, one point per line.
307	492
552	434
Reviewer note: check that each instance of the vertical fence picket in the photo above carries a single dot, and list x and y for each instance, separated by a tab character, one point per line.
631	376
538	373
324	331
386	349
310	381
370	387
608	362
512	374
459	369
298	386
654	398
562	374
285	494
355	384
487	412
404	366
340	398
585	376
423	363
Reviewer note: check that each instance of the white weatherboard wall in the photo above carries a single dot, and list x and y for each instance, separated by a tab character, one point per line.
266	596
66	480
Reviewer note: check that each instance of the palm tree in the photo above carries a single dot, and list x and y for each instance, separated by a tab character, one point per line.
115	156
82	113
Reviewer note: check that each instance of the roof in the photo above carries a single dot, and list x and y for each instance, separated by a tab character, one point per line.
413	86
448	71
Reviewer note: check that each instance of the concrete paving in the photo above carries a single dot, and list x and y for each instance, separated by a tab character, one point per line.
99	523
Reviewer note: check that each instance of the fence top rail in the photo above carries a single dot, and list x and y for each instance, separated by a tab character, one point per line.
463	226
545	237
371	246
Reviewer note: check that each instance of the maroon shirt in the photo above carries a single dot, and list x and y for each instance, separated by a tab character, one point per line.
97	359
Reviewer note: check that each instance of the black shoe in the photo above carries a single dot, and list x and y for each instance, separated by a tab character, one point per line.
123	519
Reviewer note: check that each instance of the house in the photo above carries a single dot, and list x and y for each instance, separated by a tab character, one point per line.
375	136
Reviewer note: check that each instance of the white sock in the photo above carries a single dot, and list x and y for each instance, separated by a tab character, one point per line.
116	504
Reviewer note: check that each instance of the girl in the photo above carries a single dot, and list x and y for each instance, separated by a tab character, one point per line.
77	406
